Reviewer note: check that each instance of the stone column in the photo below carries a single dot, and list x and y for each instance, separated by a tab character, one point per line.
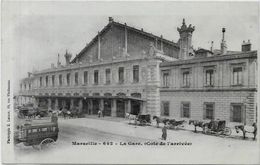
128	109
56	104
49	103
71	103
113	109
101	105
80	105
90	107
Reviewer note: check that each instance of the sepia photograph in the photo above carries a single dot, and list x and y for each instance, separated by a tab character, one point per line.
142	82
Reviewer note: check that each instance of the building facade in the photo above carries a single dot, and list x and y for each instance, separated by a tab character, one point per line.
124	69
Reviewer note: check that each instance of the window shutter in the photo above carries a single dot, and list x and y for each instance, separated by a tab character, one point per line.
231	113
204	111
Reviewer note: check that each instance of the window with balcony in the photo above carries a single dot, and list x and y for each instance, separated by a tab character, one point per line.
208	111
68	79
121	75
108	75
60	79
165	78
135	73
186	79
85	77
76	78
209	77
185	109
165	110
47	81
237	75
96	77
53	80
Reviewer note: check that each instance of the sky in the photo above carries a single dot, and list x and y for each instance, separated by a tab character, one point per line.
34	33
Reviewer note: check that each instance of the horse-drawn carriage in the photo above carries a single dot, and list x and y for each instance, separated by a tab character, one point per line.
144	119
39	136
217	127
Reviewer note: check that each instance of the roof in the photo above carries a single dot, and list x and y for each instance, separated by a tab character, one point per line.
240	55
113	23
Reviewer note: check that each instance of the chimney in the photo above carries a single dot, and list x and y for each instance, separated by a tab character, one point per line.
67	57
212	44
29	74
223	45
58	62
110	19
246	46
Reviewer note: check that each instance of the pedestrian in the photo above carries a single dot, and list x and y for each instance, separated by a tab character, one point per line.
99	113
164	133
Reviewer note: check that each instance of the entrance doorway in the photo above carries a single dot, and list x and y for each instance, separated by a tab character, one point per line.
107	107
85	107
135	107
95	106
120	108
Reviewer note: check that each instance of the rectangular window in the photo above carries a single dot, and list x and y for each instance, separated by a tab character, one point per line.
46	80
76	78
185	109
96	77
121	75
21	86
209	77
165	79
236	114
165	108
40	81
85	77
60	79
209	111
29	86
108	75
186	79
237	76
68	78
136	73
24	86
53	80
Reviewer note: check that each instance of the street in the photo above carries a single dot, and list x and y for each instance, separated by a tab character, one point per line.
111	140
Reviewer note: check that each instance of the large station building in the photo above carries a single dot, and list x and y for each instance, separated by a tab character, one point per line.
124	69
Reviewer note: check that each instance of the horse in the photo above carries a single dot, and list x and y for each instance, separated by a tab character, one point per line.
242	128
131	117
160	120
198	123
175	123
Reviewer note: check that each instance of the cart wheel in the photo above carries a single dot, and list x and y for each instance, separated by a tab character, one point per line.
143	122
46	143
227	131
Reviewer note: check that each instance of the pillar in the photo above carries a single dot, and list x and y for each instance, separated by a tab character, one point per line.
113	109
101	105
56	104
36	102
125	38
99	46
80	105
90	106
128	106
71	103
49	103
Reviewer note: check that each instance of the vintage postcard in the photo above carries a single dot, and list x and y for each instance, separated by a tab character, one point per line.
110	82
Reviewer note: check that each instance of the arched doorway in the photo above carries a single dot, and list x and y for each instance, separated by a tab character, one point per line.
120	105
135	104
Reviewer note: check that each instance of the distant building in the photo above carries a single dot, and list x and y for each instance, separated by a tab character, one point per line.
124	69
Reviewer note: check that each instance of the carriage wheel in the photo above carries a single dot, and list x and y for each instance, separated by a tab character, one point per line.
46	143
143	122
227	131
